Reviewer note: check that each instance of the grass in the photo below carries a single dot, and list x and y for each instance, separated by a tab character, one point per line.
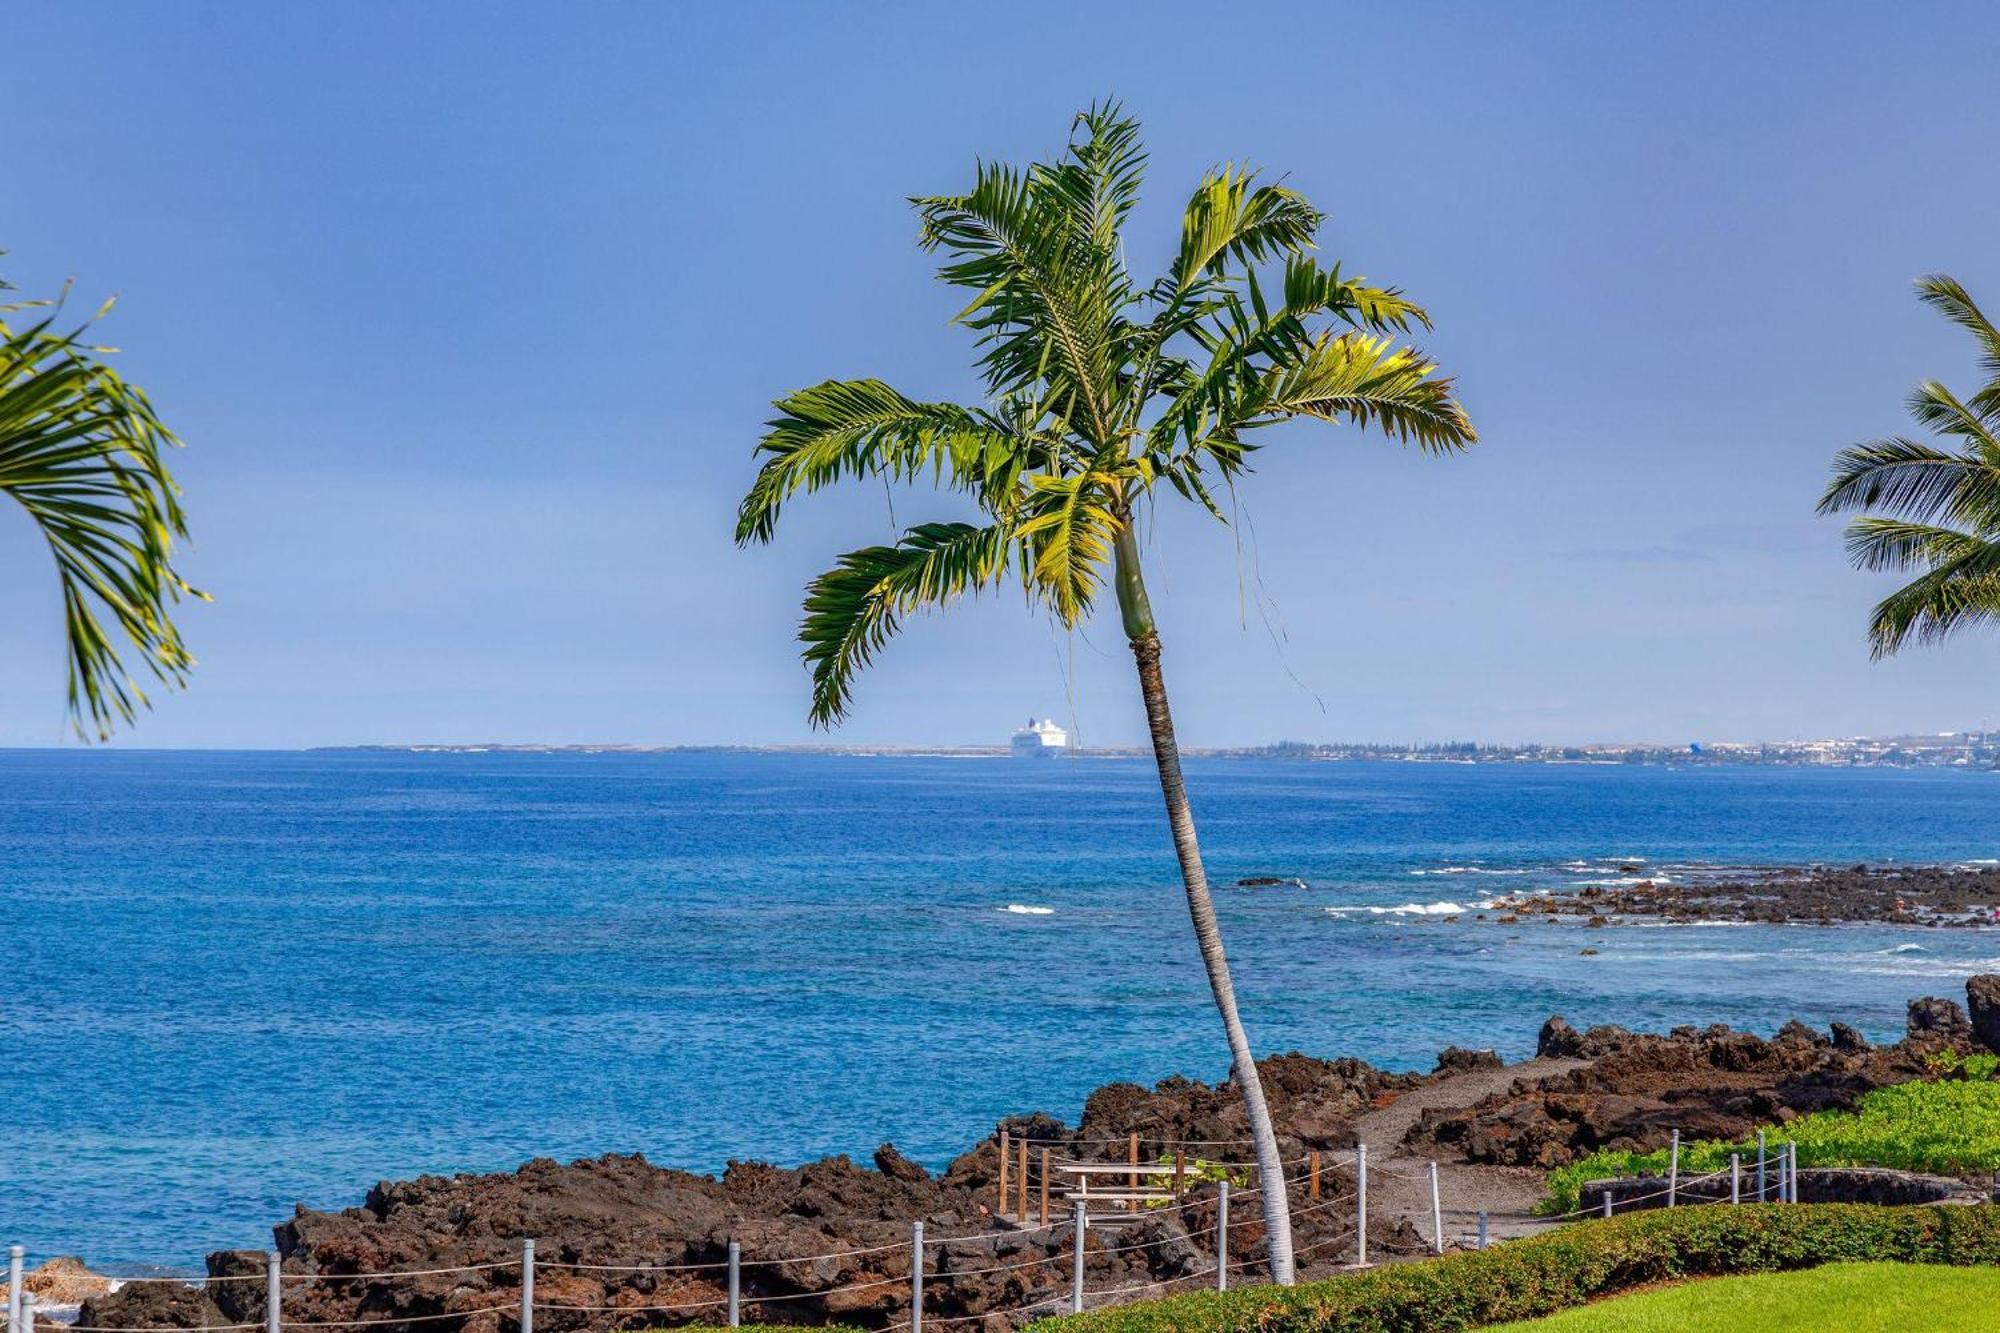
1853	1298
1951	1125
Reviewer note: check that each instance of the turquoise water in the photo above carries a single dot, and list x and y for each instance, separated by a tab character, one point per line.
236	981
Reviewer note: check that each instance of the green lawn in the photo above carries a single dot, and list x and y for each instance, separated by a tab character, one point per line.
1849	1298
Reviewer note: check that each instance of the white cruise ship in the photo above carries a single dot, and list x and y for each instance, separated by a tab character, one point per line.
1040	740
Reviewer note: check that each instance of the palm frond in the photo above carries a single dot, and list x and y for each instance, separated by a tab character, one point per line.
1230	216
856	428
1366	380
84	454
1098	181
1893	543
1068	523
1945	295
853	608
1931	608
1912	479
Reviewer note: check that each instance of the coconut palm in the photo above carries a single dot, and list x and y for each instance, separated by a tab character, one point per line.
83	454
1938	504
1100	391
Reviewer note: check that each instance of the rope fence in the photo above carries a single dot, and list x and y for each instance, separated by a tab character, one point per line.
927	1262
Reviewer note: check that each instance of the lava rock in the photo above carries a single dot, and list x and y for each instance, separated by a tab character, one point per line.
1982	997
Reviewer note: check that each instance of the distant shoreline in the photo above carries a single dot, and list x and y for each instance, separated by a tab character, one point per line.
1968	751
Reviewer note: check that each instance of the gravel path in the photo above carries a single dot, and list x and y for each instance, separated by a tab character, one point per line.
1399	1185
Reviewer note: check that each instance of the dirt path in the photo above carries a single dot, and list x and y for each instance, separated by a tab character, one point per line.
1399	1184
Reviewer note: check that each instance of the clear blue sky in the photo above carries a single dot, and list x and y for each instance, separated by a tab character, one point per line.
470	313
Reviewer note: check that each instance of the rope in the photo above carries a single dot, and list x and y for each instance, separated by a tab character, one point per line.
402	1272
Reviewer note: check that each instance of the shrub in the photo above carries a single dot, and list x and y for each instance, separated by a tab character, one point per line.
1525	1279
1951	1126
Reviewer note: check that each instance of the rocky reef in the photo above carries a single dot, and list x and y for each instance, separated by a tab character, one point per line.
624	1244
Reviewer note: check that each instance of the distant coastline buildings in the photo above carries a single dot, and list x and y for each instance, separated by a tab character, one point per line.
1949	749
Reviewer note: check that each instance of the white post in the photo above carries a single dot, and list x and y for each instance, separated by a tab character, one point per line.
14	1254
1736	1177
1674	1169
1222	1238
1760	1166
274	1301
736	1283
1482	1228
1607	1199
916	1277
1437	1213
28	1311
1792	1156
1076	1265
1361	1205
527	1286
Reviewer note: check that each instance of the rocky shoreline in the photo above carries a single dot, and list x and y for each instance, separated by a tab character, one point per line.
1962	896
828	1242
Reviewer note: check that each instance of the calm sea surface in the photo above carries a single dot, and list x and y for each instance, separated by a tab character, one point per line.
236	981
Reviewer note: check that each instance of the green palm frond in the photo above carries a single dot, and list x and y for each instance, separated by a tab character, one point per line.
858	428
1944	295
1068	524
1354	377
1893	543
1932	608
83	453
1936	509
1231	217
1907	477
853	608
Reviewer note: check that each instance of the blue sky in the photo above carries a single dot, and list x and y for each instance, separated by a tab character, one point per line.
470	314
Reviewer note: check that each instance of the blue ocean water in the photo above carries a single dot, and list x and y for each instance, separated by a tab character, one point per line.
234	981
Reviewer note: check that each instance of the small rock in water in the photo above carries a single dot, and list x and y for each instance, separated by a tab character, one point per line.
1586	953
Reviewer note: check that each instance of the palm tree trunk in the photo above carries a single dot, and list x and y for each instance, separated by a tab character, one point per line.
1145	639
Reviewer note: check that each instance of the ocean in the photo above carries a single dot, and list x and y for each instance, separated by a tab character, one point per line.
233	982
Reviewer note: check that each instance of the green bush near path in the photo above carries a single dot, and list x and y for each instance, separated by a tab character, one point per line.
1568	1267
1854	1298
1951	1126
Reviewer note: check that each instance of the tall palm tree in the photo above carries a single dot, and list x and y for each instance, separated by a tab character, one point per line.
1099	389
83	453
1938	504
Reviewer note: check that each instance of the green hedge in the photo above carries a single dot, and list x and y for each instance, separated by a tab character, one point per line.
1526	1278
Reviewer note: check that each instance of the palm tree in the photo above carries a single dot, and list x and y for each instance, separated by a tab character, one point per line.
1939	506
1099	390
83	453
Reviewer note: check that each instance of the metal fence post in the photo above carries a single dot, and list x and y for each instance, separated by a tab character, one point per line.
1792	1156
1361	1205
1607	1200
1760	1166
1482	1229
1674	1169
736	1283
14	1255
917	1264
1076	1265
28	1311
274	1301
1222	1238
527	1286
1437	1213
1736	1177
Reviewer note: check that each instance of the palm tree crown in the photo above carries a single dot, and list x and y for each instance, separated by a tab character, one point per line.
1938	505
1099	388
83	453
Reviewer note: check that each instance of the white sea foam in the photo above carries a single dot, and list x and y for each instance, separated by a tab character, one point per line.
1902	948
1028	909
1407	909
1621	882
1467	870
